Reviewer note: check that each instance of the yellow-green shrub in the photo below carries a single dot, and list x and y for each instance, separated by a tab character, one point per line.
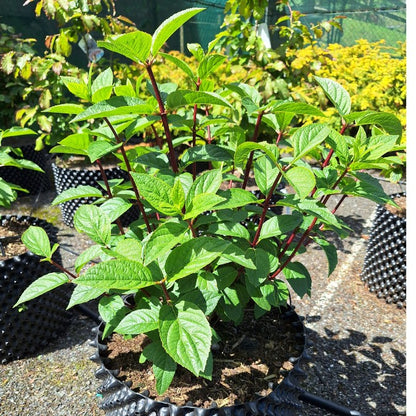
374	75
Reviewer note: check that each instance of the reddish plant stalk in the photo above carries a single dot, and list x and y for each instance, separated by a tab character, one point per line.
250	158
165	291
279	137
336	208
307	232
157	137
110	194
300	242
265	208
62	269
128	167
164	118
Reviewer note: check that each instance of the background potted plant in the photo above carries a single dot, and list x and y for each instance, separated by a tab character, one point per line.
384	269
27	329
206	253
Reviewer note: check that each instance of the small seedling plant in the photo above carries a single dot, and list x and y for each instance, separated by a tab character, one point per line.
205	244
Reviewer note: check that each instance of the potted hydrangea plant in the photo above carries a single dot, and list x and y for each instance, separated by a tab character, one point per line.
207	254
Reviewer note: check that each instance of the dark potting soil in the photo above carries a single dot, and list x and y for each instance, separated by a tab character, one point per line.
248	360
10	239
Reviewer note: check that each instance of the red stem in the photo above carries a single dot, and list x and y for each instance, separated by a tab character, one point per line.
164	118
158	139
62	269
302	239
128	167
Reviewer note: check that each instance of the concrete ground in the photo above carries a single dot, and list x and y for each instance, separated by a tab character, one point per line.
358	342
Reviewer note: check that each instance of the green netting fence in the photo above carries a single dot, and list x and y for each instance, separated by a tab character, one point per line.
368	19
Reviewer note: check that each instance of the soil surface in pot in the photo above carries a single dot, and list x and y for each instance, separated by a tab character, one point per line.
401	210
10	239
246	361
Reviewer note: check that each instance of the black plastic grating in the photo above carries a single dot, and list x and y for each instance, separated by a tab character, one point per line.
384	270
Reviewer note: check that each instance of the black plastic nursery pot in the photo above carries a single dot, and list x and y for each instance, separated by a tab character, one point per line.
24	332
118	399
66	178
384	270
31	180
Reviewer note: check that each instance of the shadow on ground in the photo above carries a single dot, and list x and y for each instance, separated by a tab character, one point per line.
350	369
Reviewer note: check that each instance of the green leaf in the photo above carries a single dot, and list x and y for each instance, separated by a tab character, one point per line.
170	26
338	143
281	224
139	322
82	191
37	241
116	106
65	109
301	179
100	148
74	144
117	274
89	219
115	207
177	194
207	183
209	64
181	98
336	93
164	366
110	307
265	173
306	138
86	256
299	278
196	50
202	203
235	197
243	151
276	293
192	256
261	271
297	108
186	335
387	121
246	91
133	45
235	254
379	145
42	285
78	87
164	238
331	253
180	64
233	307
129	249
83	294
103	80
231	229
156	192
206	153
367	187
205	300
